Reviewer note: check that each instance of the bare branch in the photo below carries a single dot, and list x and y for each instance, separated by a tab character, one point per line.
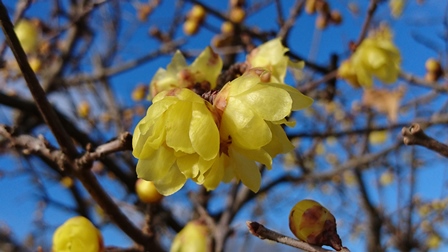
414	135
262	232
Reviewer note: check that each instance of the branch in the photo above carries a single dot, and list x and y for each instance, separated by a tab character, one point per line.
414	135
365	26
262	232
44	106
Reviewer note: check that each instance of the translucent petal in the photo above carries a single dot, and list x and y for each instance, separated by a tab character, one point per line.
214	175
185	94
207	66
204	132
243	83
246	170
173	181
299	100
260	155
177	126
177	63
188	165
280	142
270	103
156	166
245	128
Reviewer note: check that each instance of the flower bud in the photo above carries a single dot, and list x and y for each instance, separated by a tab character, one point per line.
192	238
147	192
77	234
312	223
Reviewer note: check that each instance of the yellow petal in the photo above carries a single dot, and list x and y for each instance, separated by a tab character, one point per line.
260	155
246	170
215	174
156	166
246	129
280	142
177	127
270	103
203	132
177	63
242	84
299	100
172	182
207	66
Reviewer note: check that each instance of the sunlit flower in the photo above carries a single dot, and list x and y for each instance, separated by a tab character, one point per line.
192	238
377	57
28	35
201	74
271	55
77	234
250	116
177	139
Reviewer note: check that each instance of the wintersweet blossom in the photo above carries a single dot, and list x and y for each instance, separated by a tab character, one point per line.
179	75
251	112
376	56
221	137
177	139
77	234
271	55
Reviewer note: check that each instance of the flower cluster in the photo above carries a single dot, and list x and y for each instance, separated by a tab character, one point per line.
376	56
184	136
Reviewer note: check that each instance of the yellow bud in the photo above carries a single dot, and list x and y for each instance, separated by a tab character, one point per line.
197	13
310	6
139	92
336	17
191	27
433	241
312	223
35	64
147	192
227	28
237	15
192	238
84	109
77	234
27	34
67	182
432	65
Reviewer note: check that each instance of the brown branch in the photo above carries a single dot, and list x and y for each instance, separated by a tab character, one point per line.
414	135
365	26
423	83
40	146
262	232
122	143
44	106
289	23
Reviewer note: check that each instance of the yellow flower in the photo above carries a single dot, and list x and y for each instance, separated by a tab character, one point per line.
202	73
177	139
77	234
376	56
192	238
28	35
250	116
271	55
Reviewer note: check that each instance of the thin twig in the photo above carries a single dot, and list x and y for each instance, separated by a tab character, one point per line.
414	135
44	106
262	232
